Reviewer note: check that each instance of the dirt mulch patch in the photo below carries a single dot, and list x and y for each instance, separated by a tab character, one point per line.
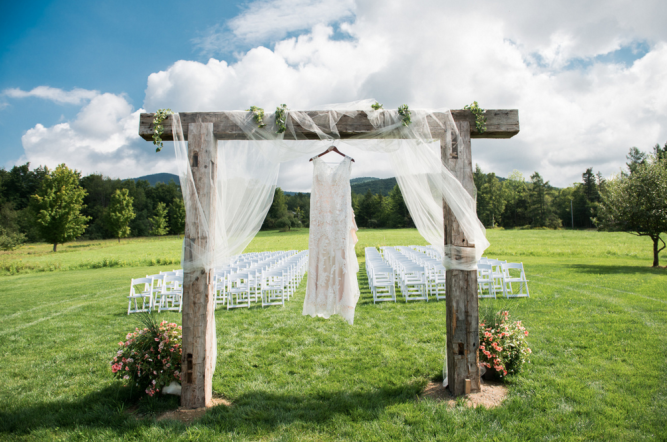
491	396
187	416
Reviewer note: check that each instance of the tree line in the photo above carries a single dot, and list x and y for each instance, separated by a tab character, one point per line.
371	210
59	205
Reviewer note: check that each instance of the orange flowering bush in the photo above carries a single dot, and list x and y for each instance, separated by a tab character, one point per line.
502	344
150	358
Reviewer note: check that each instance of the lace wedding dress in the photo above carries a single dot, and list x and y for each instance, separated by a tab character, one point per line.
332	262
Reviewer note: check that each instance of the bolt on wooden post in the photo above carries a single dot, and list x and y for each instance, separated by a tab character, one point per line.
462	313
198	288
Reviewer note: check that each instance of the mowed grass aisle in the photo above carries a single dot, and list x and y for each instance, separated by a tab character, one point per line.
598	329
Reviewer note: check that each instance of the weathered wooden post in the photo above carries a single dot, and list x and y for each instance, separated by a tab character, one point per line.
461	285
198	288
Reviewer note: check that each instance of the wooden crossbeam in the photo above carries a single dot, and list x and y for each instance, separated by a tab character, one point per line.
501	123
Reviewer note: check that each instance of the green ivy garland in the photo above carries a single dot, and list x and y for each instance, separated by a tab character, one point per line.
480	119
257	115
376	106
158	128
281	118
404	111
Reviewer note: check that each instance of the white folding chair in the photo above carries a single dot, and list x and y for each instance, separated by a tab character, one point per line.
509	279
238	290
171	297
485	281
274	289
145	294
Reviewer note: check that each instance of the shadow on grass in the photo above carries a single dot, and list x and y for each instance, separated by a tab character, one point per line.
252	413
616	269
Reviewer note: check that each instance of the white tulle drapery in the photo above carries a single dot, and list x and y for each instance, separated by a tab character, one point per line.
247	173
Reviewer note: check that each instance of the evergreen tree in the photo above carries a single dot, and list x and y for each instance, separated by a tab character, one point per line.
159	220
635	157
400	215
538	196
366	207
660	153
58	205
120	213
278	211
516	200
177	217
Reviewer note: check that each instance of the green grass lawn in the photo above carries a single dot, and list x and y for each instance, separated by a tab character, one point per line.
597	318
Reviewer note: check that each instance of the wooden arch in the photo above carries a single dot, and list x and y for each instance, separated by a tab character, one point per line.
202	130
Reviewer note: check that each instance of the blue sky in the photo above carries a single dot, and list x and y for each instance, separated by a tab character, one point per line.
106	46
588	78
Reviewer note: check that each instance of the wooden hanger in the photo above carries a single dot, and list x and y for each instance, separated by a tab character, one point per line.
332	149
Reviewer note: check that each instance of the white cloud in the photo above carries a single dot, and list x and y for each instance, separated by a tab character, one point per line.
429	54
75	96
432	55
103	138
266	20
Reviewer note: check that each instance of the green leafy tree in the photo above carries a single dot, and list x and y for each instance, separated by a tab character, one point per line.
10	236
58	204
120	213
177	217
159	220
637	203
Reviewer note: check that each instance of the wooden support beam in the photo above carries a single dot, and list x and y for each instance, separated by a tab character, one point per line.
501	123
462	313
198	287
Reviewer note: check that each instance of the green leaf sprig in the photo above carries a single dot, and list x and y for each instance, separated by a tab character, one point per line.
376	106
404	111
281	118
480	118
257	115
158	128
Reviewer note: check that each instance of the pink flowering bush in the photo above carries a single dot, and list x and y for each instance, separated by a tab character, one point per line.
502	344
150	358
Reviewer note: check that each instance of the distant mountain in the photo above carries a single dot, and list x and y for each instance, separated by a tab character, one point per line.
158	178
362	180
361	186
377	185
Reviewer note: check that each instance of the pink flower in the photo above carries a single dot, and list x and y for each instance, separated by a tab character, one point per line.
127	368
126	377
526	332
120	343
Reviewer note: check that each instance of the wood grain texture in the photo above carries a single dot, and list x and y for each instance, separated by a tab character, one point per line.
462	313
501	123
198	289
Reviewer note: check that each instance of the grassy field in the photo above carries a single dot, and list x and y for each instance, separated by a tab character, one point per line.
597	319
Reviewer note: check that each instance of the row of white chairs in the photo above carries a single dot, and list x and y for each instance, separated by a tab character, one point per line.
495	276
271	281
270	276
163	291
418	272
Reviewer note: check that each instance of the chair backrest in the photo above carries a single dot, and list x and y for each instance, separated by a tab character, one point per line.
513	265
148	282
